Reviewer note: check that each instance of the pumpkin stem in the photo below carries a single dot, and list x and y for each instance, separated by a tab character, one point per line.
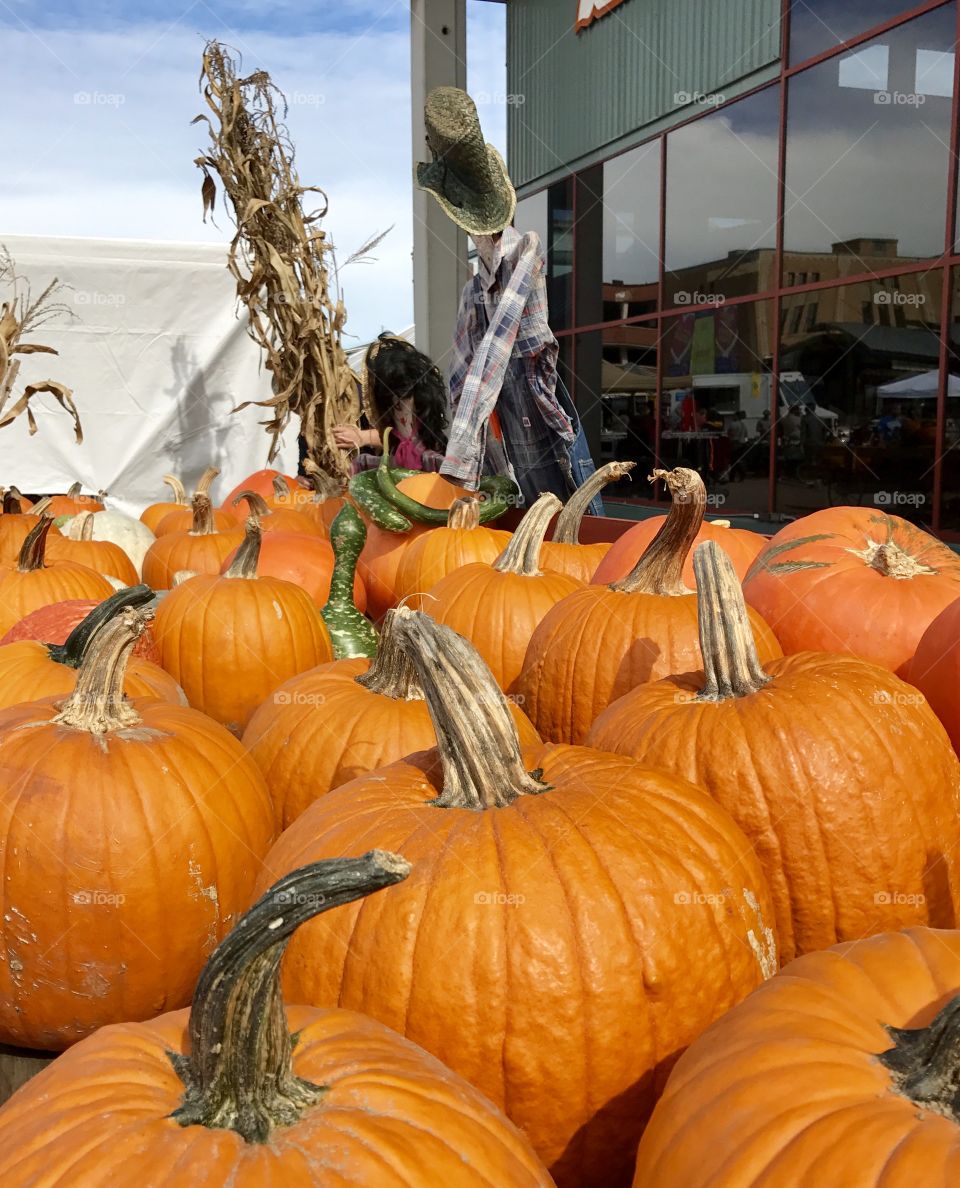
11	502
74	491
281	492
179	492
660	569
325	485
33	550
97	703
244	563
256	503
476	736
923	1062
464	513
239	1074
86	526
730	661
890	560
72	651
203	524
567	530
522	554
351	633
391	671
40	506
206	479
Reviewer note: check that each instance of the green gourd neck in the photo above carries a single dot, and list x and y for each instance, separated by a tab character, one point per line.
351	633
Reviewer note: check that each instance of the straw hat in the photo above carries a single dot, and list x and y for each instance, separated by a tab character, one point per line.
466	176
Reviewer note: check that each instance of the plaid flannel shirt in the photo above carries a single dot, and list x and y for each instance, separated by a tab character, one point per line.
514	296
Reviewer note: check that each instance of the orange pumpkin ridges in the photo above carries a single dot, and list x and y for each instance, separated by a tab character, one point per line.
342	720
201	550
230	639
782	748
105	885
863	1035
315	1095
307	561
16	526
180	518
564	553
601	641
277	518
589	858
440	551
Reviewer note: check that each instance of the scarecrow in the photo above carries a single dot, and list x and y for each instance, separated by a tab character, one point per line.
511	413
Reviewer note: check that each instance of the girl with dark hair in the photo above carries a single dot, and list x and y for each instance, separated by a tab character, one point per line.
404	391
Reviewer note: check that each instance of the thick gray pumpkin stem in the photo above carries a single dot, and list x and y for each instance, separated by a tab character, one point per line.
522	554
247	557
924	1062
567	530
98	703
391	672
730	661
660	569
239	1074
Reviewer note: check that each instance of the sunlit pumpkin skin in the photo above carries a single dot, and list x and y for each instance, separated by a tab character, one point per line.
102	556
793	1087
201	550
548	944
352	1104
33	583
740	545
152	515
498	606
325	727
379	562
837	771
178	516
852	579
306	561
935	669
52	624
27	673
229	640
180	519
14	530
440	551
275	516
260	481
73	503
431	489
113	815
601	641
564	553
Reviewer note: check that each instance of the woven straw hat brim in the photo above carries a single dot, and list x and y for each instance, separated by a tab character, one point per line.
477	212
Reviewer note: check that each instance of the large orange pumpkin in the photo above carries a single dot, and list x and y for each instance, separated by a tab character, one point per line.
935	669
102	556
440	551
498	606
601	641
853	579
201	550
180	519
740	545
564	553
342	720
842	1070
275	516
307	561
152	515
117	819
837	771
31	669
230	639
33	583
572	921
240	1090
73	503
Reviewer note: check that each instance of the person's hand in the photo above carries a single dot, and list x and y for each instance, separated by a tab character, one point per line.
348	437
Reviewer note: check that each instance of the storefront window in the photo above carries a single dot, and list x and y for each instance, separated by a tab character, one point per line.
949	449
857	416
817	26
631	233
715	401
532	215
722	203
860	125
550	214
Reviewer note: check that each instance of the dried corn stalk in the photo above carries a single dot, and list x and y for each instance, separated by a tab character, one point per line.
18	316
280	258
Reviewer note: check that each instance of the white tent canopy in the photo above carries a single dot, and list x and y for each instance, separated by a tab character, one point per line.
919	387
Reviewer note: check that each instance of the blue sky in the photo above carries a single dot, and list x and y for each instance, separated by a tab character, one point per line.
100	141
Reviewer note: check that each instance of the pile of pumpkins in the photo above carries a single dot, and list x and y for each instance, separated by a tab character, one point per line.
592	865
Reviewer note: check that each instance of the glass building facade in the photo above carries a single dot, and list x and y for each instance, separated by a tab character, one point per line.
770	291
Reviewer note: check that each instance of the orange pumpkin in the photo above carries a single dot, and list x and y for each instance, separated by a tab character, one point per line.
560	900
277	517
102	556
564	553
935	669
15	527
261	481
498	606
116	818
307	561
293	1096
742	547
180	519
152	515
33	583
853	579
842	1070
342	720
602	641
73	503
31	669
434	554
229	640
807	754
14	503
201	550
